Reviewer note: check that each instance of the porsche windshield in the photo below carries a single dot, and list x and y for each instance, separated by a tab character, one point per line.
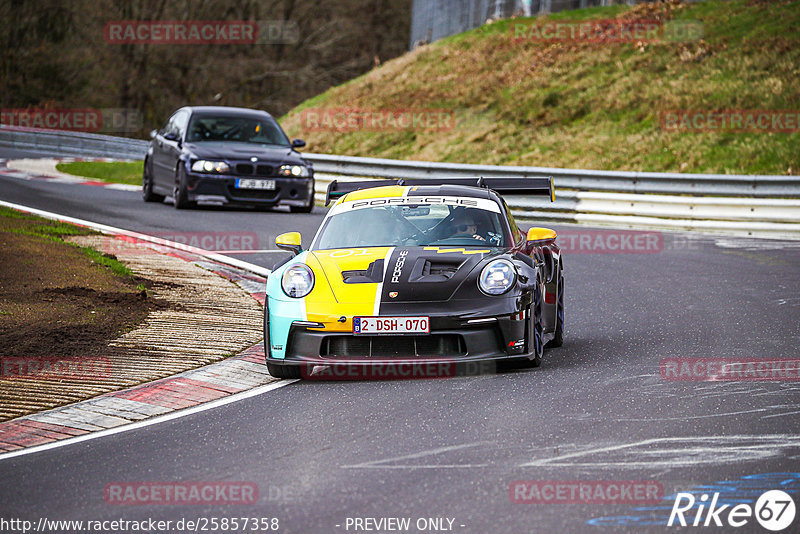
254	130
412	224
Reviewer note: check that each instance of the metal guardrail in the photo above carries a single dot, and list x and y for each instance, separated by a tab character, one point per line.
770	218
582	180
72	143
762	186
717	203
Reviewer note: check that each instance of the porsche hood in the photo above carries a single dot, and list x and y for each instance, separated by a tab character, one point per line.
399	274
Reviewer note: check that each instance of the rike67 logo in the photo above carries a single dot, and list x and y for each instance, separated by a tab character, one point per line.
774	510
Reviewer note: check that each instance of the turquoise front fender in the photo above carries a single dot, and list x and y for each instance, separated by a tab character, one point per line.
283	310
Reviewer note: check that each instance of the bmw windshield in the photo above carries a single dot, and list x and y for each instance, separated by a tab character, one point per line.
253	130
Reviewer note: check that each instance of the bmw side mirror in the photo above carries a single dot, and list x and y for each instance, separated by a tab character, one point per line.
289	241
153	134
298	143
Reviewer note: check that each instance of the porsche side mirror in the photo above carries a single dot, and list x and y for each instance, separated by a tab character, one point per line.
153	134
289	241
541	236
298	143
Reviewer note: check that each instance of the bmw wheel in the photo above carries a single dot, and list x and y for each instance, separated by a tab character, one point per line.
147	184
308	208
180	193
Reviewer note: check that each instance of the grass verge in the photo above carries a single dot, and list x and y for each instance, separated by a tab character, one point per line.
580	104
60	299
118	172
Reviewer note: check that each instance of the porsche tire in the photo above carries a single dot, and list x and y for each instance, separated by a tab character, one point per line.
535	333
278	371
284	371
267	343
558	335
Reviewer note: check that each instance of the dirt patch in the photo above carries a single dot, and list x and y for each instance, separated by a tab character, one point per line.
55	300
71	329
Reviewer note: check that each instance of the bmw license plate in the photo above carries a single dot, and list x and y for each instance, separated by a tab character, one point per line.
251	183
391	325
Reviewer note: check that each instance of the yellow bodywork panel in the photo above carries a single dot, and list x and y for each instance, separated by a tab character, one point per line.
457	250
376	192
342	300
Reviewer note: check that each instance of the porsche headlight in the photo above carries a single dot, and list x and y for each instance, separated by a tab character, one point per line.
297	281
203	165
497	277
297	171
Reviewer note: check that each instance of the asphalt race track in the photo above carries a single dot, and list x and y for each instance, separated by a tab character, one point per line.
598	409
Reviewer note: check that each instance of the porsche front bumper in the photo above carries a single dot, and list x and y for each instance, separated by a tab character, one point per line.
449	340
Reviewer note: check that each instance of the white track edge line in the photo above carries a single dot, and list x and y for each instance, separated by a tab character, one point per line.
104	228
151	421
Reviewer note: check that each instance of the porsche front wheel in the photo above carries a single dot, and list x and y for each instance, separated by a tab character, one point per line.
284	371
558	335
535	334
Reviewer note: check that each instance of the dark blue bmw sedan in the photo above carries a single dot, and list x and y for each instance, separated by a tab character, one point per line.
228	156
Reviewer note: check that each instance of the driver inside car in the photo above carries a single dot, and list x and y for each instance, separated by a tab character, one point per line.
464	225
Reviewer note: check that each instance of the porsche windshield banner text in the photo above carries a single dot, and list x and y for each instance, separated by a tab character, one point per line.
447	201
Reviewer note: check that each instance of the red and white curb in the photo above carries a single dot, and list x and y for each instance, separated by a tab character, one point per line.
188	389
45	169
235	378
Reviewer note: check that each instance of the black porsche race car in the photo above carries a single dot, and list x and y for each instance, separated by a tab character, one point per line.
405	271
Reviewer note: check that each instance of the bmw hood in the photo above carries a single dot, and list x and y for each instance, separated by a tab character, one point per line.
239	151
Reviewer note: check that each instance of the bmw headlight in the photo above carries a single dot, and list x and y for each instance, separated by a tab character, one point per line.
297	281
296	171
497	277
202	165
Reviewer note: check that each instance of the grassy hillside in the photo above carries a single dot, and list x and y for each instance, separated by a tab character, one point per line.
586	104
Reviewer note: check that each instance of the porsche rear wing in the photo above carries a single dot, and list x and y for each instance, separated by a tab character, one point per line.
502	185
